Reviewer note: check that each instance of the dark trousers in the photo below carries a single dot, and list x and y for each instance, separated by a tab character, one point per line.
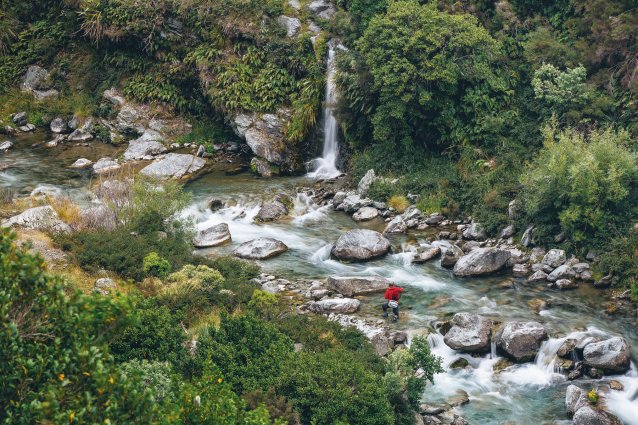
385	308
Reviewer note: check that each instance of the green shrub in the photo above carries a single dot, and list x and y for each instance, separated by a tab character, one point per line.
250	353
156	376
263	304
154	265
620	259
582	185
155	335
334	386
54	361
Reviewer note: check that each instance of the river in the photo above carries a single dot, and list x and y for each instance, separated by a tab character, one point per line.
531	393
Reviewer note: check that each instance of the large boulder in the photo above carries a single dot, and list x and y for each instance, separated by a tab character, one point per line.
147	146
353	202
38	218
265	135
481	261
355	285
366	181
260	249
36	78
575	398
271	211
335	305
611	355
470	333
561	272
554	258
589	415
520	341
174	165
360	245
212	236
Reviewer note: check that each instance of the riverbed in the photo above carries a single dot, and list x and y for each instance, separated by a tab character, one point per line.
531	393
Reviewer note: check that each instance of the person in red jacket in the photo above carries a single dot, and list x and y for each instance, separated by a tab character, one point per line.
392	295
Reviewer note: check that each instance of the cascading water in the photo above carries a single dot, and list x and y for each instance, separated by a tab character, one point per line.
325	167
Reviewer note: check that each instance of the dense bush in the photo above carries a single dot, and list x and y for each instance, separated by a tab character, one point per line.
620	259
54	363
582	184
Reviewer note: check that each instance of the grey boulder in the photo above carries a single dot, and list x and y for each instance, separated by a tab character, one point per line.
611	355
146	146
105	165
554	258
36	78
360	245
520	341
271	211
424	254
260	249
470	333
58	126
451	256
335	305
38	218
365	214
212	236
81	163
481	261
396	225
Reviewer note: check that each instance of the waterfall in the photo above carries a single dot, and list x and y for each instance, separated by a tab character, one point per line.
325	167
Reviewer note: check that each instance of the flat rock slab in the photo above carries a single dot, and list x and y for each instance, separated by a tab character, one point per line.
260	249
38	218
174	165
212	236
350	286
145	147
335	305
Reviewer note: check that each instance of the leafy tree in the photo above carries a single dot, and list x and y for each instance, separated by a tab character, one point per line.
54	363
432	75
583	185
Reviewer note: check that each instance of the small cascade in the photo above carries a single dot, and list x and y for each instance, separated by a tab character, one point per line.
325	167
493	349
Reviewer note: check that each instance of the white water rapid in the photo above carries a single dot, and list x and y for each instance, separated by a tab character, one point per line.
325	167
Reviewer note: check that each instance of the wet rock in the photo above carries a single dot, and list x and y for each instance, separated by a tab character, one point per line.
481	261
450	256
566	348
434	219
459	363
575	398
474	232
147	146
588	415
611	355
554	258
470	333
355	285
58	126
292	25
353	202
20	118
365	214
563	284
366	181
594	373
424	254
616	385
261	167
538	276
520	341
335	305
604	282
174	165
467	246
215	204
561	272
537	305
38	218
360	245
338	199
6	145
395	226
105	165
81	163
271	211
80	135
520	270
260	249
212	236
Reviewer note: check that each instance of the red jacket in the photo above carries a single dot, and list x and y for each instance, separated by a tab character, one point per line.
393	293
